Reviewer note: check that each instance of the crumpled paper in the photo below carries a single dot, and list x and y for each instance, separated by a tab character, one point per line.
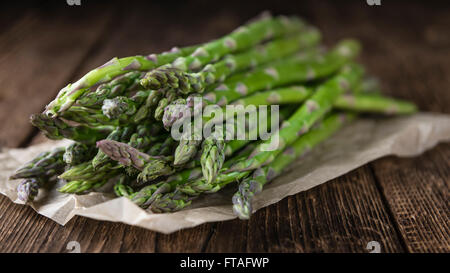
356	144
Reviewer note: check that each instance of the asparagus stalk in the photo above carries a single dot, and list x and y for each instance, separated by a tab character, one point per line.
213	156
283	72
167	147
119	134
169	96
55	128
113	68
250	186
119	86
242	38
151	167
114	111
186	192
188	146
42	169
300	68
178	195
148	107
359	102
145	197
76	153
237	144
171	80
44	165
121	188
284	95
191	139
180	109
374	104
86	172
82	186
124	108
214	151
116	107
302	120
211	73
88	117
28	189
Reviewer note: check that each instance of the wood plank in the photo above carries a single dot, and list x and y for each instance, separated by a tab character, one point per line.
191	240
340	216
416	189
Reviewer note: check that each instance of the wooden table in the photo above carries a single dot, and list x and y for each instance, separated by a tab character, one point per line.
400	202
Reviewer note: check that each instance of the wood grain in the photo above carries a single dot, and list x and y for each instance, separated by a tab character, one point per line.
341	216
401	203
417	192
416	189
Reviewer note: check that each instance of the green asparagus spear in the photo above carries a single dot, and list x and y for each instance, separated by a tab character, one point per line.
181	108
119	86
283	72
187	146
86	172
44	165
302	120
300	68
119	134
82	186
148	194
55	128
360	102
242	38
113	68
196	82
236	144
213	156
115	111
87	116
122	188
28	189
151	167
374	104
116	107
284	95
186	192
213	147
76	153
250	186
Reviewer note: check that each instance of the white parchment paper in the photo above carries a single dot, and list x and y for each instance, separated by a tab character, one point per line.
356	144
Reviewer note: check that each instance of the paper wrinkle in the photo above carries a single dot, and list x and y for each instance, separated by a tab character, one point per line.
353	146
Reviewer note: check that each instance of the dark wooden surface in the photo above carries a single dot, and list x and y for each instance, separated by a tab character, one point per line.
400	202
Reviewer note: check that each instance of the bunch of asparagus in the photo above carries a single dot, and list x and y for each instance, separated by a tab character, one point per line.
121	114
